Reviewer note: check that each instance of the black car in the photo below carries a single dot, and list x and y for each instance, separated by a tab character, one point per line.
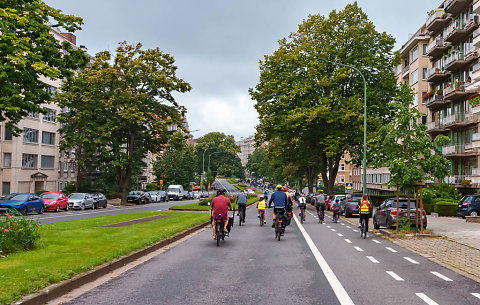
163	196
99	200
351	205
386	213
469	206
137	197
204	194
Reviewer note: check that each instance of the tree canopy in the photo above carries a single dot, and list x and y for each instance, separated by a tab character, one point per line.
29	51
310	110
121	107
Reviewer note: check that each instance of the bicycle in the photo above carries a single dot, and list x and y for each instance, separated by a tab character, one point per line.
219	225
321	215
279	226
302	214
262	215
335	217
363	229
241	217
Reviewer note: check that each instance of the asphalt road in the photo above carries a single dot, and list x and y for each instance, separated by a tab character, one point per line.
313	264
52	217
226	185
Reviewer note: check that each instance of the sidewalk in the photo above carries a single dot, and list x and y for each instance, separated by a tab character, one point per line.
458	249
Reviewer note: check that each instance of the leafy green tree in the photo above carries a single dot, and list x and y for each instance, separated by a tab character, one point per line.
28	51
177	164
121	107
405	148
259	165
225	160
310	110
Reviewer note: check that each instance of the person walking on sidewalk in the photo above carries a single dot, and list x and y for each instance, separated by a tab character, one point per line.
242	204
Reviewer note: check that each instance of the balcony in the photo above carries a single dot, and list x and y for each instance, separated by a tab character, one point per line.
455	92
436	127
437	47
455	6
459	151
457	60
435	102
460	120
435	75
405	69
437	21
475	137
460	31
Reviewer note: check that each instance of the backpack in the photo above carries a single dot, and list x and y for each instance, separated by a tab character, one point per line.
336	208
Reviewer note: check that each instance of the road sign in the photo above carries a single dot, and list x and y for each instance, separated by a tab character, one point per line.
348	187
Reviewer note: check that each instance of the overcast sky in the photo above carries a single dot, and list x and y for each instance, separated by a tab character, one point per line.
217	43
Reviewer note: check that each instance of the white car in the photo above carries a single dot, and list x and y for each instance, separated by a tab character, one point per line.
155	196
249	192
80	201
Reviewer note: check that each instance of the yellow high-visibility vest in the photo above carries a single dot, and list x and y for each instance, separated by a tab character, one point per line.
262	205
364	207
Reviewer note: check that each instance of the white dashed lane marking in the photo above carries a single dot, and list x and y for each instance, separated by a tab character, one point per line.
348	227
342	224
477	295
411	260
329	227
373	260
391	250
376	241
358	249
354	230
348	240
394	275
340	234
334	230
443	277
426	299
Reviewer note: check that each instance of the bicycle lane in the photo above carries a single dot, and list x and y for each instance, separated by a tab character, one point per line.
376	271
249	267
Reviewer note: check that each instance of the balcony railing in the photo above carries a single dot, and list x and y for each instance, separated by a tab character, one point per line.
405	69
476	137
452	57
437	47
437	15
434	98
460	118
458	150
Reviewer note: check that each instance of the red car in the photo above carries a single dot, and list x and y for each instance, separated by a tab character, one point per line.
55	201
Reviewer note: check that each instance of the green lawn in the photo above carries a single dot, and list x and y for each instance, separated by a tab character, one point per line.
72	247
197	206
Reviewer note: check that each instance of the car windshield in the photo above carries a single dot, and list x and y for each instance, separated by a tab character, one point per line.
134	193
76	196
16	197
50	196
161	193
403	204
465	199
174	190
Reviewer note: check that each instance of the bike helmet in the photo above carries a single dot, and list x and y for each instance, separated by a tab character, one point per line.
261	197
285	188
221	192
279	187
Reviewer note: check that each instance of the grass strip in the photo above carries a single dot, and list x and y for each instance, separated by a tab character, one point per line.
197	206
72	247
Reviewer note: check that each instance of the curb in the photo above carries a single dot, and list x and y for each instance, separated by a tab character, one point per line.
56	290
188	210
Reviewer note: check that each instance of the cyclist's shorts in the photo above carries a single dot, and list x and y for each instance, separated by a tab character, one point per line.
302	206
279	210
261	209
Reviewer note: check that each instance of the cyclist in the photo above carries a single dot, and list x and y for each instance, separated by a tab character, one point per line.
266	195
364	212
219	210
261	205
279	200
320	205
336	209
302	205
242	203
289	206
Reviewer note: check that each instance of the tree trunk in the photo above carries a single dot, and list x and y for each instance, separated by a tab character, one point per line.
409	193
398	199
310	173
330	166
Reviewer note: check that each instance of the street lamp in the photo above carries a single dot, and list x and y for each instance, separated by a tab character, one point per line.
364	161
209	155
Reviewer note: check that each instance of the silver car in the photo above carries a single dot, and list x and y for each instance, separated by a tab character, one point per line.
80	201
155	196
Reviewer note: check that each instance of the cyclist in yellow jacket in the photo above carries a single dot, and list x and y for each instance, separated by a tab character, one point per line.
261	206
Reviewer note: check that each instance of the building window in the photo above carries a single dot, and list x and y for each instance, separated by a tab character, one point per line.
48	138
5	188
33	115
50	116
30	135
342	167
172	127
424	73
398	69
415	99
73	167
415	54
7	160
65	167
8	134
341	179
423	94
48	161
29	161
414	77
424	48
424	119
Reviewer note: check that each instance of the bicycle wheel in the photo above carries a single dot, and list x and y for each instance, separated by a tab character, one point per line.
261	219
301	216
217	231
240	218
279	233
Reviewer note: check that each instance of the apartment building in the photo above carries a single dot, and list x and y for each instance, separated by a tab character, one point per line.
33	161
246	148
453	77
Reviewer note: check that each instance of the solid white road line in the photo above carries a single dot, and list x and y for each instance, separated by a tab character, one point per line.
477	295
358	249
443	277
348	240
373	260
340	234
426	299
394	275
411	260
376	241
391	250
337	287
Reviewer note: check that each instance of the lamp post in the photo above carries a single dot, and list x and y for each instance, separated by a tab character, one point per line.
364	161
203	161
209	155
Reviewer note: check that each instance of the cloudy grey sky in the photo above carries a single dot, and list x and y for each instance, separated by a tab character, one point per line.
217	43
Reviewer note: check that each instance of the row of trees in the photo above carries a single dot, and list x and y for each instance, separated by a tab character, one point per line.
310	104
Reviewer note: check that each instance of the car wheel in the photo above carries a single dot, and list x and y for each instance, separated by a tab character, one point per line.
57	209
389	223
82	207
105	206
375	224
42	209
95	206
66	207
24	211
473	213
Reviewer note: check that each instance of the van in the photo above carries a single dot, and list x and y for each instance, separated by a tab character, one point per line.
175	192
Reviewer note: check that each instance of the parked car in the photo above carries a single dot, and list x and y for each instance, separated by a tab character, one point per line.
386	214
22	202
154	195
175	192
80	201
99	200
137	197
163	196
204	194
55	201
196	195
469	206
351	204
249	191
190	195
310	198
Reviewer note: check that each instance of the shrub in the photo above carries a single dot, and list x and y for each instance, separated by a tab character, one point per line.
252	196
446	208
17	233
205	201
443	191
